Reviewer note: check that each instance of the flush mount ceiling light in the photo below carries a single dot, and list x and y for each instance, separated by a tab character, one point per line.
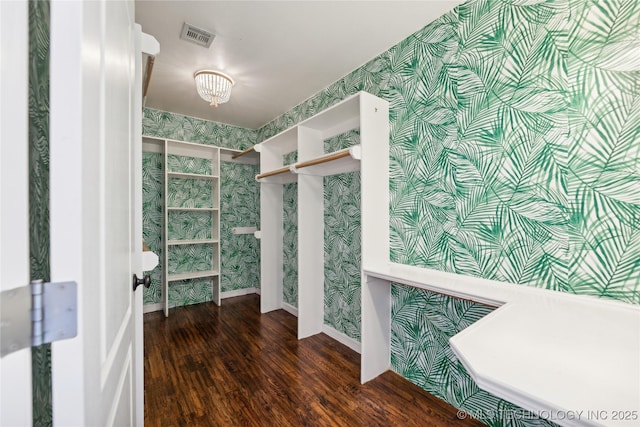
213	86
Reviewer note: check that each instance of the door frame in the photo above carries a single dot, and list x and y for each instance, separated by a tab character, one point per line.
15	368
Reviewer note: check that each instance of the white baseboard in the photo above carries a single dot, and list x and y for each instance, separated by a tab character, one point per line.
257	291
342	338
290	309
237	293
149	308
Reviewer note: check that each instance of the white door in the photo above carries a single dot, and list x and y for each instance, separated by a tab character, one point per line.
15	368
95	120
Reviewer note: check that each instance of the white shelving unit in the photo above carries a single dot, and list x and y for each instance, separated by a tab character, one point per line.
193	165
181	161
361	111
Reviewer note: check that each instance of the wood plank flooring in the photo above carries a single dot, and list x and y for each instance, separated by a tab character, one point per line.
230	366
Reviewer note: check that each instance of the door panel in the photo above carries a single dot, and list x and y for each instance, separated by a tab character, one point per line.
93	237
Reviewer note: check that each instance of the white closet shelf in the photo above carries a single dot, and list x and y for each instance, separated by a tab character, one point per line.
190	149
191	242
337	119
192	275
190	175
342	161
192	209
243	152
249	156
281	175
286	141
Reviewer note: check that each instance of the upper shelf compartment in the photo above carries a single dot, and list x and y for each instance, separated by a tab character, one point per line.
337	119
189	160
285	142
249	156
343	161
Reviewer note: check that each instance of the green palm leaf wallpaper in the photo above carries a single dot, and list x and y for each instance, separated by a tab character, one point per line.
422	323
183	164
152	218
192	291
603	181
290	240
342	249
290	237
39	25
190	193
186	258
186	225
239	207
168	125
510	157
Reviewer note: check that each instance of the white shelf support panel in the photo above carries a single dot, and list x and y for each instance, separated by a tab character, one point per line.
376	328
376	295
374	174
310	238
271	248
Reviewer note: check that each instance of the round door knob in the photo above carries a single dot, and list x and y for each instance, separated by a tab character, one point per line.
145	281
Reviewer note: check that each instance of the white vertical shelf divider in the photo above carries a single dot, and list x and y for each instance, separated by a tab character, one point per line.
165	227
310	237
371	115
215	188
376	294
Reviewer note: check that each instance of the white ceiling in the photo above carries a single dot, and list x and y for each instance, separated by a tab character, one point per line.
279	52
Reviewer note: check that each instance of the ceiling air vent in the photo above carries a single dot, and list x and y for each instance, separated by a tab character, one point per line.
197	35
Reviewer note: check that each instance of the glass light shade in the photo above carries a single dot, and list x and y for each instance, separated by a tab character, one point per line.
213	86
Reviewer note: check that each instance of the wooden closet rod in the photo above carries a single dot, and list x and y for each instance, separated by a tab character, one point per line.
147	78
273	172
242	153
334	156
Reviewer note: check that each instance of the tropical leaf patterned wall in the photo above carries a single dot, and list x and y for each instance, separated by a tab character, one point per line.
182	164
191	193
184	128
421	324
239	207
152	219
39	20
342	249
603	180
290	240
192	291
186	258
510	161
290	237
514	157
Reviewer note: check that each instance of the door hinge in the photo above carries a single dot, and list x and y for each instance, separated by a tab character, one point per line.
39	313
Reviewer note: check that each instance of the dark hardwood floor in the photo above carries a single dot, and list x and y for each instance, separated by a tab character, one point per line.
230	366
